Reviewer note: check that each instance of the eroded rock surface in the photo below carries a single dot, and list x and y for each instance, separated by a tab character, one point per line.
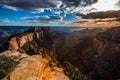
34	67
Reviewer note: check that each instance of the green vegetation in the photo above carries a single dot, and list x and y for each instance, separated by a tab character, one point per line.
72	72
37	46
30	48
6	66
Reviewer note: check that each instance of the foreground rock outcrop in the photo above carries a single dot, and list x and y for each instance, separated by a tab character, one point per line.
34	67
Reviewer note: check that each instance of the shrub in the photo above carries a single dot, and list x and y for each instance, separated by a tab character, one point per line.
6	66
72	72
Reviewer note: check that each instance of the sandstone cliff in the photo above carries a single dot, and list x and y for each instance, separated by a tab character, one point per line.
35	40
20	40
31	56
33	67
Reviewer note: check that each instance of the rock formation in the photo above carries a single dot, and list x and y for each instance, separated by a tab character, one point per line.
43	54
97	57
33	67
39	37
107	44
17	42
31	56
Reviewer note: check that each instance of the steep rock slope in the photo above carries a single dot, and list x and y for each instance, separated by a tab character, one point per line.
97	57
42	33
107	44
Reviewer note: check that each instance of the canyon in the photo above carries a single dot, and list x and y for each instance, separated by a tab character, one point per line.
41	53
97	57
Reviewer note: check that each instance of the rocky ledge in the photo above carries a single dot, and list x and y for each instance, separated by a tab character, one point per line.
33	67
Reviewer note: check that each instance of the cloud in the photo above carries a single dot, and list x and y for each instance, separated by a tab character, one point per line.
10	7
59	6
102	15
40	5
5	21
43	19
77	3
31	5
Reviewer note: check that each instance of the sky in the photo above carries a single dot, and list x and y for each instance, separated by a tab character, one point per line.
49	12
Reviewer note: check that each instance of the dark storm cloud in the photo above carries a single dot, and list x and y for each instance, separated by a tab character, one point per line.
31	5
36	5
79	2
70	6
107	14
39	19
